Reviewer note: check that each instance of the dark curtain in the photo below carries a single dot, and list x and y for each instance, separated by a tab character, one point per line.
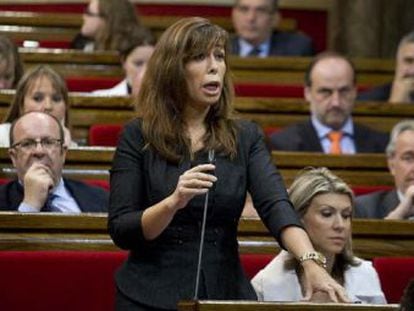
370	28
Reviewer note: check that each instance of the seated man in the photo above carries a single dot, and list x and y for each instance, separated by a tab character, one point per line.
401	90
397	203
330	90
254	22
38	154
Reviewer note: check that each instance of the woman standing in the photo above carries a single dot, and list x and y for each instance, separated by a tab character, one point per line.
163	168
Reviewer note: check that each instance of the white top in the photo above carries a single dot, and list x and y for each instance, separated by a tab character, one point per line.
121	89
276	283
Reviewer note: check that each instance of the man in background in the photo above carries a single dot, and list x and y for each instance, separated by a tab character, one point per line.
38	154
254	22
330	89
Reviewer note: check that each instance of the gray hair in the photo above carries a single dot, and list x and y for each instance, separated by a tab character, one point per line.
402	126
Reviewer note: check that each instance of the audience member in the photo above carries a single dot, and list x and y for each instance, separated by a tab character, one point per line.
401	89
134	50
396	203
324	203
330	90
38	154
40	89
11	67
163	168
255	23
105	23
407	300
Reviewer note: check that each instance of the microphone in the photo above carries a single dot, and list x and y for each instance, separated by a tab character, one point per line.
211	160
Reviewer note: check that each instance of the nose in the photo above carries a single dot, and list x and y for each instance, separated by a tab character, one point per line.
339	223
47	105
335	98
212	64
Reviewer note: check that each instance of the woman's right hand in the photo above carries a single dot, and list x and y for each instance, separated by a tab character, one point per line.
192	182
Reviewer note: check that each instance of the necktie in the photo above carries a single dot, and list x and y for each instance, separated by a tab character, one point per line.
49	206
335	138
254	52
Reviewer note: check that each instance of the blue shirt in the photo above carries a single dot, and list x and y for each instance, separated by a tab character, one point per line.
347	141
63	201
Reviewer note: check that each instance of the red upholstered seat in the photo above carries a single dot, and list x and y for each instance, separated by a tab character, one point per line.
89	84
360	190
104	134
268	90
253	263
58	280
394	274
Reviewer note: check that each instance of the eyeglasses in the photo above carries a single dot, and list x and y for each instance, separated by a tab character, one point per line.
47	143
88	12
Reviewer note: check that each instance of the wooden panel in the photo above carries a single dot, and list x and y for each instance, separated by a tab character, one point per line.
211	305
20	231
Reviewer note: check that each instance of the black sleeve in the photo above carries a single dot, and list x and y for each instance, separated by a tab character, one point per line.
126	200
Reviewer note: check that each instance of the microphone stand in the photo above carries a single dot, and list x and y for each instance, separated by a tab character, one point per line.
203	231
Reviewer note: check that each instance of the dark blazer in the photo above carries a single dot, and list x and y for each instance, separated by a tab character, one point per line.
89	198
379	93
79	42
282	44
303	137
161	272
376	205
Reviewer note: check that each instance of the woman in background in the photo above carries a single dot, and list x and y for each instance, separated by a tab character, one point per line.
185	143
11	67
324	203
40	89
134	50
105	23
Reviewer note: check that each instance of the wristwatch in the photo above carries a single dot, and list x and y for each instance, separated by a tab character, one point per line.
315	256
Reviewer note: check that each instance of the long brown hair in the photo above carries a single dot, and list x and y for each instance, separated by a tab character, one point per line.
164	94
120	17
10	53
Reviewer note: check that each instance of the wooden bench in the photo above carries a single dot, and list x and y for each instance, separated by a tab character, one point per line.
271	70
371	238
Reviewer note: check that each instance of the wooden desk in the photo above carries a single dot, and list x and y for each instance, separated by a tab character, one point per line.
19	231
235	305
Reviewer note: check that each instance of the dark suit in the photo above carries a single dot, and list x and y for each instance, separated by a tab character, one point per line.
303	137
282	44
376	205
88	198
162	271
379	93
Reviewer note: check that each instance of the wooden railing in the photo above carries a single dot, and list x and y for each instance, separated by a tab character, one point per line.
371	238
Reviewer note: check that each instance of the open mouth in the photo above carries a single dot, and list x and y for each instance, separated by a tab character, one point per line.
212	87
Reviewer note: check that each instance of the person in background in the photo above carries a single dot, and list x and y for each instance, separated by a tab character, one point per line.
184	143
401	89
398	202
407	300
255	23
324	203
105	23
38	154
330	89
11	67
40	89
134	50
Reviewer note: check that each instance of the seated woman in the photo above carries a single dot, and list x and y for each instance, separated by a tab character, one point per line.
134	50
104	22
40	89
11	67
325	203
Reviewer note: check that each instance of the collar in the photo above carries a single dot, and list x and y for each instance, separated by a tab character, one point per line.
246	47
323	130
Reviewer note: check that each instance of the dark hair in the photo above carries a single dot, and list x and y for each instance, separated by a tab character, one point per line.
138	36
61	132
407	299
322	56
26	82
274	3
164	92
10	52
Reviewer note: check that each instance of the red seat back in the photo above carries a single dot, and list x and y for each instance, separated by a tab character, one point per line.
394	274
104	134
253	263
360	190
